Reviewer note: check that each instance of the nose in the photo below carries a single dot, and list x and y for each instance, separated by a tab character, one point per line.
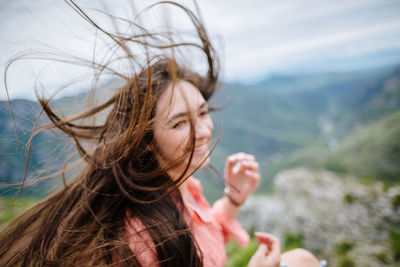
203	129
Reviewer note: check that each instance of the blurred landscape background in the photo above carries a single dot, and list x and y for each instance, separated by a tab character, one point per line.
344	127
324	125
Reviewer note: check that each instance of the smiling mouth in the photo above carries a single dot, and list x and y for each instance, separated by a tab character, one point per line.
201	149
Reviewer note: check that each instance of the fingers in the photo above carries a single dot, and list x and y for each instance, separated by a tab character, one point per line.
259	259
229	166
262	250
242	174
251	165
254	177
243	162
241	156
266	238
271	242
268	252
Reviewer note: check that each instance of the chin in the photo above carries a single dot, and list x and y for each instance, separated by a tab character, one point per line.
201	163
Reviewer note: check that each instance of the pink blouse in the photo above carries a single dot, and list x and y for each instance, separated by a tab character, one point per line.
212	227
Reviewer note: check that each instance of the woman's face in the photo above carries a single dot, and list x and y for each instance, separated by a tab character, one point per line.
175	109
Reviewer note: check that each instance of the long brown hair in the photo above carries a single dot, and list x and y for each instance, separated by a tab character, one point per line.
83	223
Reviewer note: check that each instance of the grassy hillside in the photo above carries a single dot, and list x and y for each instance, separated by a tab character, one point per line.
371	152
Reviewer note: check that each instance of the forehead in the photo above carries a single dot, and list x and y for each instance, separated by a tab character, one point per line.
177	98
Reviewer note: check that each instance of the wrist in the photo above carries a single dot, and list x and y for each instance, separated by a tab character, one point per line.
230	208
232	198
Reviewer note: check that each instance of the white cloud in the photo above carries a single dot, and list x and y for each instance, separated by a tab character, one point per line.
254	36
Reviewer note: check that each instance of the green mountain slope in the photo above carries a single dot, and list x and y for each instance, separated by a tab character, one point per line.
47	152
303	114
371	152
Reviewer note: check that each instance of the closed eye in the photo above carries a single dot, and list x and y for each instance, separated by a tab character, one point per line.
203	113
178	124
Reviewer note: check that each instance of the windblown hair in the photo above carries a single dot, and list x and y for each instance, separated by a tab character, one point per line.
84	223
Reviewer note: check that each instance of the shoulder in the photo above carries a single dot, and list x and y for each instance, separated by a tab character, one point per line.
136	230
140	241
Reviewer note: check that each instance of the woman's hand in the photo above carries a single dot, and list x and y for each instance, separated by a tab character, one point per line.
268	253
241	176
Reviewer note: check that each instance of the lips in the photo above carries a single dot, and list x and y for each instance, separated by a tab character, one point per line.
201	149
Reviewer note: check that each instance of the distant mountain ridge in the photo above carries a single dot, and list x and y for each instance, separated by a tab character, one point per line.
271	119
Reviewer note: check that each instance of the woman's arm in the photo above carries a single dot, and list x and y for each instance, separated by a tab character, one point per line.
230	208
241	179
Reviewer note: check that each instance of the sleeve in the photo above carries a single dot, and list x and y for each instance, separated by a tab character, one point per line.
231	228
140	242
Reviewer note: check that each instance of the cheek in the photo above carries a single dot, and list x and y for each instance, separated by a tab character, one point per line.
179	139
171	141
161	140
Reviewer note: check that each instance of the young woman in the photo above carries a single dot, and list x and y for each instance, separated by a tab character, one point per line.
135	202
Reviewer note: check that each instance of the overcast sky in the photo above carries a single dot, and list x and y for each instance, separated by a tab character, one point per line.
254	38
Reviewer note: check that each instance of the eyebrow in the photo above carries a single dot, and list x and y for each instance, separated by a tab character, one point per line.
181	114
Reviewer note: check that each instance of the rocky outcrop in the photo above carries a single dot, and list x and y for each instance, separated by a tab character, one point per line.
335	216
